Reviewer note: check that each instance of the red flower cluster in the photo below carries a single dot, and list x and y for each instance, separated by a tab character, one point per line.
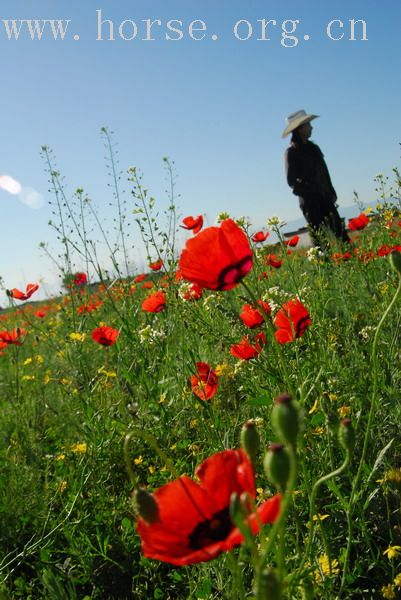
259	236
204	383
246	350
194	523
80	279
217	258
30	289
291	321
193	293
251	317
106	336
140	278
193	224
358	222
154	303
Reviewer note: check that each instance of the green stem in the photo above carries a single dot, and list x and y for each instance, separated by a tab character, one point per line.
373	403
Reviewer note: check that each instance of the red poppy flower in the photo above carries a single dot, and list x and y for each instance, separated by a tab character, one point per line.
217	258
194	523
251	317
90	307
140	278
292	241
272	261
204	383
157	265
194	224
338	257
246	350
154	302
259	236
358	222
13	337
292	320
80	279
40	314
147	285
384	250
30	289
106	336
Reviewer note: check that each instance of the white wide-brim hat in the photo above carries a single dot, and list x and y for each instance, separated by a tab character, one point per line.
296	120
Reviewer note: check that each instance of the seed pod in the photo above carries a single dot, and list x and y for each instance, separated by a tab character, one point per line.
270	587
346	435
276	464
250	440
146	505
285	418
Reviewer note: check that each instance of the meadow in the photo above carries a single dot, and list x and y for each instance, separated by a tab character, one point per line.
274	367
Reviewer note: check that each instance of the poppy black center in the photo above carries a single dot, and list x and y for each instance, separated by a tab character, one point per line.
234	273
212	530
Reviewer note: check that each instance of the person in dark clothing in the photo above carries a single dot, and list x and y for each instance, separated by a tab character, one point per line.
309	178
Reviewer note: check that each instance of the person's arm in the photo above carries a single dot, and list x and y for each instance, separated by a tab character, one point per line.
296	178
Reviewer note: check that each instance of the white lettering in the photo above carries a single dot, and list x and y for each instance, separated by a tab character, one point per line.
329	32
100	24
236	27
149	25
291	38
353	23
174	29
264	28
134	30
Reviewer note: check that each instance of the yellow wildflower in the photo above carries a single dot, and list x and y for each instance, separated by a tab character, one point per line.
333	397
193	423
320	517
107	374
388	592
368	210
397	580
151	469
324	568
77	337
59	457
27	361
318	431
163	397
62	486
173	447
79	448
28	377
39	359
65	381
138	460
392	552
344	411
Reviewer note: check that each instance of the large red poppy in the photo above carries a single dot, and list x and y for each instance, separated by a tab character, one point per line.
194	523
193	224
106	336
246	350
273	261
204	383
292	320
217	258
13	337
252	317
154	302
30	289
358	222
292	242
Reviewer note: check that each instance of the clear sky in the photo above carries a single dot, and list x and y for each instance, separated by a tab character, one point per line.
215	107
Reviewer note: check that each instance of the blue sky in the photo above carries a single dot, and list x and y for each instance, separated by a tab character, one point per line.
217	108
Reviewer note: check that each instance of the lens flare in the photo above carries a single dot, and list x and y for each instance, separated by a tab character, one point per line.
10	185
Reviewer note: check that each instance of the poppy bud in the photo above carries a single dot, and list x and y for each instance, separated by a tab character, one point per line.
236	515
346	435
395	261
146	505
285	418
276	464
250	440
270	587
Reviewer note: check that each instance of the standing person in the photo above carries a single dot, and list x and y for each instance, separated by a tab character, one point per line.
309	178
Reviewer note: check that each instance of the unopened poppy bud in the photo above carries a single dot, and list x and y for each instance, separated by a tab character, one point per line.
236	515
276	464
346	435
146	505
269	587
395	261
250	440
285	418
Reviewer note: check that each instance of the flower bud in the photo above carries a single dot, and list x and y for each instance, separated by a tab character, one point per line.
346	435
270	587
250	440
276	464
395	261
146	505
285	418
